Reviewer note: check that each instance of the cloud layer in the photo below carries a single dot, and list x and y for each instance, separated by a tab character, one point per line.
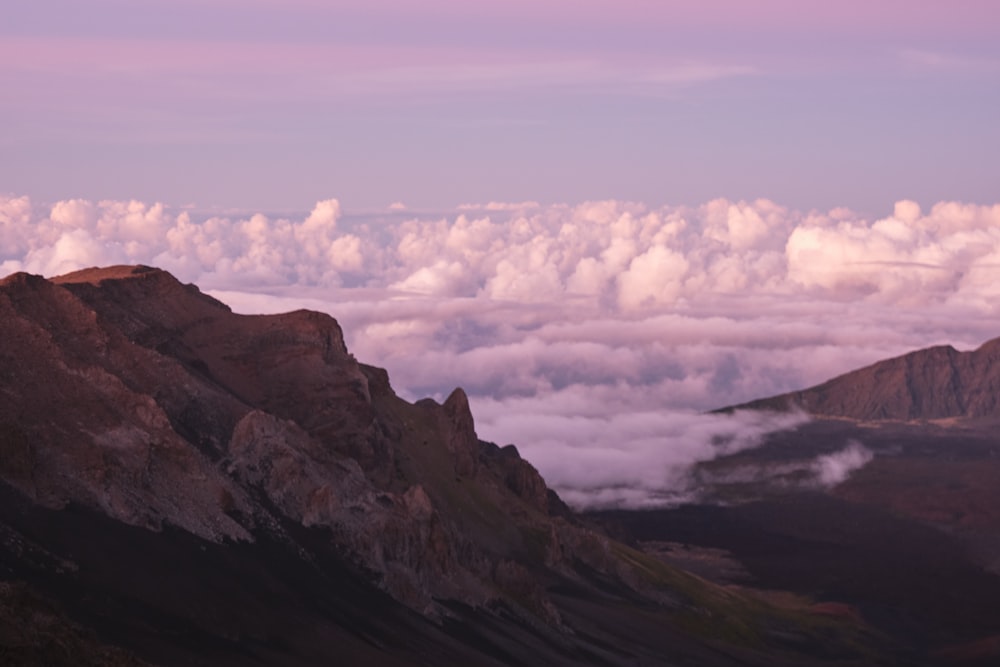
636	460
578	331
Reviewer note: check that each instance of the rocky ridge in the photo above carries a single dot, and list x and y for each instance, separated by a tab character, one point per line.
934	383
180	435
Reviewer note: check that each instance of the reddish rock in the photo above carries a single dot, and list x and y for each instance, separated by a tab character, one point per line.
461	439
252	458
935	383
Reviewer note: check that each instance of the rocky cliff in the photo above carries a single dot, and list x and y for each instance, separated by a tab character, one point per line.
935	383
204	487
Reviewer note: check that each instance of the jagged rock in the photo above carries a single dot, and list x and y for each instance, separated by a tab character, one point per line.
398	537
297	475
519	476
462	441
418	504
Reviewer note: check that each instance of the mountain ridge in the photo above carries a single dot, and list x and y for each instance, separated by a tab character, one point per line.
161	455
938	382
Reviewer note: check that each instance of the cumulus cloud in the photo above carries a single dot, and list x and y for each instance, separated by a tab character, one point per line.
556	316
499	206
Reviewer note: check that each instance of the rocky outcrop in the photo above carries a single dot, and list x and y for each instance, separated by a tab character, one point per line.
934	383
399	536
520	477
156	405
304	480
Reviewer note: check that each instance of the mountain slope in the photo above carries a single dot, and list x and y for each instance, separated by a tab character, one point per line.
907	534
934	383
203	487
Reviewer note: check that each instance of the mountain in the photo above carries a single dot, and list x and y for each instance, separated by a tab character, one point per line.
907	534
183	485
935	383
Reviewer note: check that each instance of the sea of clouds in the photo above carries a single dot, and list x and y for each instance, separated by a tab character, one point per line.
594	335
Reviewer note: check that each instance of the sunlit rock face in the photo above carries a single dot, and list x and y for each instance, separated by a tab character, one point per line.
140	397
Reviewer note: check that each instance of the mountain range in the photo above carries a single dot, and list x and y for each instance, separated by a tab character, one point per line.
184	485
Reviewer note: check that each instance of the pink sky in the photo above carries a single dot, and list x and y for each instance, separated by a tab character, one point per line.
269	104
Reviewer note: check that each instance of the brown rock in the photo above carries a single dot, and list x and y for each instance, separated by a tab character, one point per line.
461	439
938	382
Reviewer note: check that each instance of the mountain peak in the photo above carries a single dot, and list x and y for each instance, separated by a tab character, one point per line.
21	278
96	275
933	383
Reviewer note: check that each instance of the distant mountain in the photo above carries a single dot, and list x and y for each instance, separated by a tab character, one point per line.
908	536
199	487
934	383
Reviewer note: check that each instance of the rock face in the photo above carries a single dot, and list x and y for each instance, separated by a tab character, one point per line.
204	486
935	383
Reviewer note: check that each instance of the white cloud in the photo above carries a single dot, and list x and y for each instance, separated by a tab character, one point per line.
631	458
499	206
654	278
73	249
833	469
16	227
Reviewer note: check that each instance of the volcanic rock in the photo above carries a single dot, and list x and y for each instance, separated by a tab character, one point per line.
935	383
205	487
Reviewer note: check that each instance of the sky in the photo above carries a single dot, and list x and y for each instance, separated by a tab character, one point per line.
272	106
600	219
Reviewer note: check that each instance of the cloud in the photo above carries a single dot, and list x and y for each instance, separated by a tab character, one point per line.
168	69
605	320
833	469
936	61
653	278
499	206
757	478
632	458
16	217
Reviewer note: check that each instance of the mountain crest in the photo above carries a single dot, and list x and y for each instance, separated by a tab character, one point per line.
934	383
185	476
96	275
